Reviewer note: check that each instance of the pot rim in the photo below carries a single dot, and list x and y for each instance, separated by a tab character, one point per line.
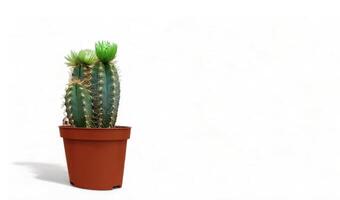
95	134
83	128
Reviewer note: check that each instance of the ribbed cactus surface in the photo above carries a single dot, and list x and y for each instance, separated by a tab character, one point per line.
92	96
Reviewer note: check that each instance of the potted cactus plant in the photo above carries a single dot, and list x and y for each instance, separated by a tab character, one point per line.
94	146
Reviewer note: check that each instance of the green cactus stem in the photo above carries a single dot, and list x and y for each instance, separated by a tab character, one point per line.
108	95
116	95
78	72
78	104
105	87
96	90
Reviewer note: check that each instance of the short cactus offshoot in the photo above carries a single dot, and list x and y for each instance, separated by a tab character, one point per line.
93	93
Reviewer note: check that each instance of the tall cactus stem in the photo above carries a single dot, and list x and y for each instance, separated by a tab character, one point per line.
97	85
116	95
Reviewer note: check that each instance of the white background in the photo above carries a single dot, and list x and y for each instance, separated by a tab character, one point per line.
227	100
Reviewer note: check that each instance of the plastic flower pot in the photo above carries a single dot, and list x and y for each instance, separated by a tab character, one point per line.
95	156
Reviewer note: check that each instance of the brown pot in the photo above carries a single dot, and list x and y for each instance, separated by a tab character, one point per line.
95	156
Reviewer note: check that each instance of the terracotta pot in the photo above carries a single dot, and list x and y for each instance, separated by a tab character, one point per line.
95	156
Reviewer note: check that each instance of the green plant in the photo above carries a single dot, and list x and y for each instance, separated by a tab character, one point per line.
93	93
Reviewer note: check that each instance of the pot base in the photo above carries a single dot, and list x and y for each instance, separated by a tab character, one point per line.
92	188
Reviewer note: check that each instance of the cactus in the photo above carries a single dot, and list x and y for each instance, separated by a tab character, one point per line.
92	96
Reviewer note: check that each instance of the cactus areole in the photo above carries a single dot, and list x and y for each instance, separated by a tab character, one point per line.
94	146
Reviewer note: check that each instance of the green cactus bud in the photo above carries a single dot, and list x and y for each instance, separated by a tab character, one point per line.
87	57
72	59
106	51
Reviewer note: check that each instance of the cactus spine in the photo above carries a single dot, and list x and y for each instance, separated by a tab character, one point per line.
92	96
